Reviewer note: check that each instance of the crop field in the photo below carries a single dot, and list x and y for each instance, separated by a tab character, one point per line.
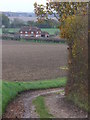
25	61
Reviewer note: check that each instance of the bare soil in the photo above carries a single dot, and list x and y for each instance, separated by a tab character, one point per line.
60	107
55	101
25	61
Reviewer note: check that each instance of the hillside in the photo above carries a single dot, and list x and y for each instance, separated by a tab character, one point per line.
25	16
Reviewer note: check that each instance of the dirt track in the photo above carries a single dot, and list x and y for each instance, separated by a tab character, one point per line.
24	61
55	101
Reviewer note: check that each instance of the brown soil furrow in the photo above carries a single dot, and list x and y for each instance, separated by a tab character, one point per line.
24	61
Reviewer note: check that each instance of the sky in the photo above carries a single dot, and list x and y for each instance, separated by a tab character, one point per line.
19	5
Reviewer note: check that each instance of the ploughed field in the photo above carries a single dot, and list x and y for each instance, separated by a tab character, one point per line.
26	61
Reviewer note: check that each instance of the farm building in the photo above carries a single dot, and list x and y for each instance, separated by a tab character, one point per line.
44	34
32	32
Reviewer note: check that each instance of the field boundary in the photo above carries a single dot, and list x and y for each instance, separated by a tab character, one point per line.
40	39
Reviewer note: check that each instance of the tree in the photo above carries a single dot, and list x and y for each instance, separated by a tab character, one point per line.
5	20
74	29
49	23
61	10
31	23
17	23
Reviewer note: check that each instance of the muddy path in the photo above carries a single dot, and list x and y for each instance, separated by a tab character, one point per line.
22	106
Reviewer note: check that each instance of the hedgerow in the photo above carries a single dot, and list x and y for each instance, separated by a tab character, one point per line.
75	30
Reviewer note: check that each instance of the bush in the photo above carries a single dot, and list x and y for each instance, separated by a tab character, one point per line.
75	30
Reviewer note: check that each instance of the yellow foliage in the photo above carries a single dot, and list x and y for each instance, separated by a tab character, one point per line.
66	27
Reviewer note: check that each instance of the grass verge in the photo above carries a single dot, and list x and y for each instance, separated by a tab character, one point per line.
41	108
11	89
42	41
51	31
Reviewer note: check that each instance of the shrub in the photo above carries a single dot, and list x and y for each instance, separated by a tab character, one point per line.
75	30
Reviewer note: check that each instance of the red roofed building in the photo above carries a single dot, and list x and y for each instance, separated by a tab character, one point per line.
32	32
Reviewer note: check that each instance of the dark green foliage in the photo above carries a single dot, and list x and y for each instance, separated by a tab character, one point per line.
17	23
50	23
5	21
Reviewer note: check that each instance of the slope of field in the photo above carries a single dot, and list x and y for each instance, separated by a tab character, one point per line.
24	61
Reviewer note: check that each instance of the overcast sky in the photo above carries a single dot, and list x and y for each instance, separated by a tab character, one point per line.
19	5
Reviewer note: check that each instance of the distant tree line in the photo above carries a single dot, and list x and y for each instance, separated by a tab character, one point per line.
17	23
5	20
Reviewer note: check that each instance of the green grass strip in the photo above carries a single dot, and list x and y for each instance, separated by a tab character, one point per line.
51	31
11	89
41	109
